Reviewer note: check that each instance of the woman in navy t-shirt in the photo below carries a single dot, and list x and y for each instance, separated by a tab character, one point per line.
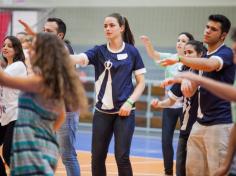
114	64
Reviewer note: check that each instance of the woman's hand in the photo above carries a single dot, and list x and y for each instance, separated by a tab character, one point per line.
170	81
188	88
190	76
125	109
145	40
27	29
154	103
168	61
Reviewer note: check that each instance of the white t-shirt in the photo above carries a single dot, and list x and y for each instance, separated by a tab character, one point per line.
8	96
170	72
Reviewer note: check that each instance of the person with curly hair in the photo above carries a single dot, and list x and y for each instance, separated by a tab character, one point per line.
41	106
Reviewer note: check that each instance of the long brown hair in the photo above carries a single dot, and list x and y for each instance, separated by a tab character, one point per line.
61	81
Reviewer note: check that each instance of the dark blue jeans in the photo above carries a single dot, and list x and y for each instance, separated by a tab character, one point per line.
104	126
181	156
169	120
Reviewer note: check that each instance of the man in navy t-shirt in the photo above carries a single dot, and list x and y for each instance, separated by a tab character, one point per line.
207	143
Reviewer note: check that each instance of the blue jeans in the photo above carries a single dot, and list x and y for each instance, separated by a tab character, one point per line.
104	125
169	120
181	157
67	138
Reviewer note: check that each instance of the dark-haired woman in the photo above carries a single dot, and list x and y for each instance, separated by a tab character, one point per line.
41	107
172	113
193	49
14	58
114	63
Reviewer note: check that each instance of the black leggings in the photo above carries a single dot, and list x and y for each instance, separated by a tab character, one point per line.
6	135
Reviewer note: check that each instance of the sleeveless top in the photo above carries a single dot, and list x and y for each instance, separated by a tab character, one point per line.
35	150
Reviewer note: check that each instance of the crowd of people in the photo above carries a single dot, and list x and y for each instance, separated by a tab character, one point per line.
41	97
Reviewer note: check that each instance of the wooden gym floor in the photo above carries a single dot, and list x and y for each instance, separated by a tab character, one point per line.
142	166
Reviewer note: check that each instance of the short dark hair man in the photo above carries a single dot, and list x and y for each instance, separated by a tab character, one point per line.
57	27
68	132
207	143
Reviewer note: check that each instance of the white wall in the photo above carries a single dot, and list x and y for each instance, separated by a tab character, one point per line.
113	3
162	24
31	17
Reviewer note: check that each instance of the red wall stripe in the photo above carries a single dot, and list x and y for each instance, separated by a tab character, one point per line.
5	19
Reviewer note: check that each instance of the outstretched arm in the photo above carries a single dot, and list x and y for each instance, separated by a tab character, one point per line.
27	29
225	91
80	59
203	64
152	53
188	88
31	83
170	81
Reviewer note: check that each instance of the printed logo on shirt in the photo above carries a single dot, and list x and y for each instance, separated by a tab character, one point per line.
108	65
2	110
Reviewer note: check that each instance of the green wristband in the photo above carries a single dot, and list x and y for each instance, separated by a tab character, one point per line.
130	102
179	58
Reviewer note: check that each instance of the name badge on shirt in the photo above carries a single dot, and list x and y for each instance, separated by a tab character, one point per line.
122	56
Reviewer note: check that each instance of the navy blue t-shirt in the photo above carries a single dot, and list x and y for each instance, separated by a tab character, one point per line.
214	110
190	107
113	75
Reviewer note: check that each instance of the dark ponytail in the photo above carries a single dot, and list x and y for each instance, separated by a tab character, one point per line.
127	35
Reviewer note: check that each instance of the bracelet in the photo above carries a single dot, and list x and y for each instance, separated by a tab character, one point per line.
130	102
179	58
